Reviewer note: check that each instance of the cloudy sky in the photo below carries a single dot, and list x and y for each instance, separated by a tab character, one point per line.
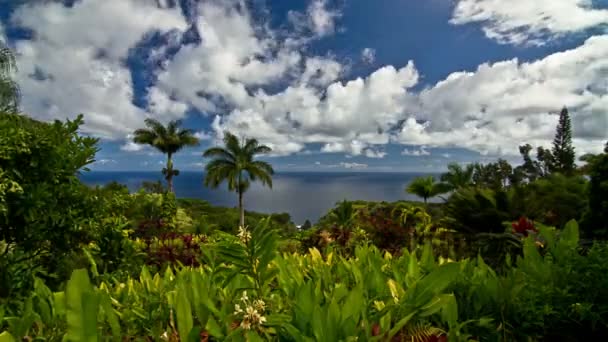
390	85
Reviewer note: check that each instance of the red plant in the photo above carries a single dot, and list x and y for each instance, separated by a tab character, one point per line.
523	226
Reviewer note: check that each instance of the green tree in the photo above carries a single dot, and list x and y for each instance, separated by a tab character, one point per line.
595	221
168	140
426	187
45	211
458	176
563	151
9	90
235	164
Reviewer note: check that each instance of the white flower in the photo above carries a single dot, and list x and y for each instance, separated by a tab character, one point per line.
259	305
244	235
246	325
237	309
244	297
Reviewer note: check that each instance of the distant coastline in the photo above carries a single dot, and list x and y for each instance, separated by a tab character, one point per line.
304	195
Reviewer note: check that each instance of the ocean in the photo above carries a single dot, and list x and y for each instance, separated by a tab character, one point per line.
304	195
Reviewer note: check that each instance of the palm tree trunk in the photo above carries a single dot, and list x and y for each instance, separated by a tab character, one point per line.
169	175
241	209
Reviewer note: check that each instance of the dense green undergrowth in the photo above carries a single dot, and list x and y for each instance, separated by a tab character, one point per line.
246	290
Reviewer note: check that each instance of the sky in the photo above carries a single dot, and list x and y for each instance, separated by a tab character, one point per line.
329	85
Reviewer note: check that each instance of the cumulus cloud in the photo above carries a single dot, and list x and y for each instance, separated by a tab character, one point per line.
262	83
368	55
501	105
106	161
422	151
529	22
75	62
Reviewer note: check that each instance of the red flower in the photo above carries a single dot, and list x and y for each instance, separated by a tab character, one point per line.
523	226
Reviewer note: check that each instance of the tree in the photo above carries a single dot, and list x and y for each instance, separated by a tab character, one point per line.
595	221
45	211
458	176
426	187
563	151
235	164
9	90
168	140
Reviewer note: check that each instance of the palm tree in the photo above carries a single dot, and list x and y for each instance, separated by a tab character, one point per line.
426	187
458	176
9	90
168	140
235	164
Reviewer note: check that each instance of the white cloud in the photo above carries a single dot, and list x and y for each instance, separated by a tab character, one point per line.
368	55
501	105
202	135
318	19
130	146
422	151
75	62
529	21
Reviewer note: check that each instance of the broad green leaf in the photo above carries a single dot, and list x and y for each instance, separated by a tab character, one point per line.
82	307
184	314
6	337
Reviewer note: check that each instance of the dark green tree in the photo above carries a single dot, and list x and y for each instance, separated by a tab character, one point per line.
595	222
458	176
168	140
235	164
45	211
563	152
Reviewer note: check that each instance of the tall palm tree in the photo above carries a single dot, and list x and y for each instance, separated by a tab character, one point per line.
235	164
426	187
9	90
458	176
168	140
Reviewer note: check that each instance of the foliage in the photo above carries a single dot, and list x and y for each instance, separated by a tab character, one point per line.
458	176
426	187
562	153
477	210
595	222
44	209
235	165
168	139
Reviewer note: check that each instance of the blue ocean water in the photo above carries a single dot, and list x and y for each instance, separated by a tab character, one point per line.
304	195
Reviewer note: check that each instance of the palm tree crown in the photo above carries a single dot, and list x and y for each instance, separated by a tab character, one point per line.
168	140
426	187
235	164
458	176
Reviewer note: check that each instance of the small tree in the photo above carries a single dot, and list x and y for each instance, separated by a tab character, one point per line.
168	140
234	163
563	151
426	187
458	176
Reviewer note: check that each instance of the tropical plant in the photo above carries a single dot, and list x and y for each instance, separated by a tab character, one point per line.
235	164
169	140
458	176
9	90
426	187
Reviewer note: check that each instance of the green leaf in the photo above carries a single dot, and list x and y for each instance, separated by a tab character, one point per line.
184	314
399	325
82	308
6	337
214	328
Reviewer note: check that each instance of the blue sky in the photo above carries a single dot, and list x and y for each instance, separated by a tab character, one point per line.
391	85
